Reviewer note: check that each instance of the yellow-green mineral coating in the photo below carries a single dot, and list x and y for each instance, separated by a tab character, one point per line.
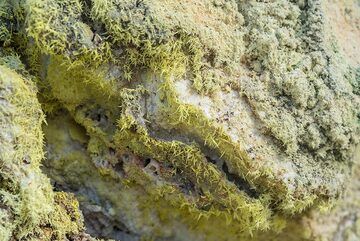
30	210
171	120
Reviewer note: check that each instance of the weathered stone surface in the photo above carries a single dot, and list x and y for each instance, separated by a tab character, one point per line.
190	120
29	208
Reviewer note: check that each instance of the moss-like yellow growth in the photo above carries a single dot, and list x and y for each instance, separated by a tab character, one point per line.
171	120
30	209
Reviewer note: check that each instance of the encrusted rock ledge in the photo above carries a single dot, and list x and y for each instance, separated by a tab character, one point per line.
177	120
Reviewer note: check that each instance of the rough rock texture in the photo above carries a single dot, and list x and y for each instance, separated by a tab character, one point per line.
179	120
29	207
